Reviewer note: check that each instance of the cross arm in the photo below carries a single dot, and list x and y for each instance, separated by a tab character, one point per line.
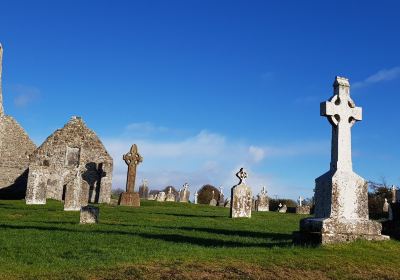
327	109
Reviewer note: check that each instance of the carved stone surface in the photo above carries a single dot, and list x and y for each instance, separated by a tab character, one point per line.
341	196
241	197
132	159
221	200
74	193
129	199
195	197
385	206
36	195
303	210
144	190
262	201
282	209
170	196
15	149
89	215
55	162
213	202
184	194
161	196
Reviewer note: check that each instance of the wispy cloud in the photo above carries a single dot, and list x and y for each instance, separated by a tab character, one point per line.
24	95
203	158
381	76
145	128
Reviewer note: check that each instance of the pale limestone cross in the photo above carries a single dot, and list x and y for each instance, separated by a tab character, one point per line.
1	94
342	113
242	176
300	201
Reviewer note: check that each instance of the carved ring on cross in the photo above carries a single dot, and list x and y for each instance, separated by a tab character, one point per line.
336	100
242	175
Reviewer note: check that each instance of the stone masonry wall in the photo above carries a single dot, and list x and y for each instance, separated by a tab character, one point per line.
74	146
15	148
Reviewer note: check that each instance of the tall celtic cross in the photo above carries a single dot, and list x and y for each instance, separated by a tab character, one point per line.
1	94
342	113
132	159
242	176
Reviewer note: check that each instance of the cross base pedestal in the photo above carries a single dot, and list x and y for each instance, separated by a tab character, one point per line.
329	231
129	199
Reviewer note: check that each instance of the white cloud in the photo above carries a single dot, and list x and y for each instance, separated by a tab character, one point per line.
257	153
145	128
24	95
381	76
200	159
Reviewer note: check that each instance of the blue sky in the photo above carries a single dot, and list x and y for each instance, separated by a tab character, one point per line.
205	87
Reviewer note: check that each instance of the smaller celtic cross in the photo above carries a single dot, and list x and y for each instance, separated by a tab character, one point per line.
242	176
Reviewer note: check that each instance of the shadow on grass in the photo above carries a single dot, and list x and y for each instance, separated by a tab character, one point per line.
277	239
191	215
210	242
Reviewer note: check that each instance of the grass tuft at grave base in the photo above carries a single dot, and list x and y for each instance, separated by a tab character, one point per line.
175	241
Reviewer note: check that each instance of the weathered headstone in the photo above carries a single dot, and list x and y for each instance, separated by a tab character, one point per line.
89	215
341	196
302	209
213	201
144	190
282	209
130	197
151	197
184	194
36	193
75	195
195	197
385	206
221	200
394	194
161	197
170	196
262	201
241	197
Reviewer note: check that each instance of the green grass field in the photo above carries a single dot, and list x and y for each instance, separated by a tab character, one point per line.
175	241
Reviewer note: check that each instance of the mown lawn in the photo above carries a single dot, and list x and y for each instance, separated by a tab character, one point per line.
175	241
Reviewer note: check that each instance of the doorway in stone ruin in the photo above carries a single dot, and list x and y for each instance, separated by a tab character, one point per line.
63	192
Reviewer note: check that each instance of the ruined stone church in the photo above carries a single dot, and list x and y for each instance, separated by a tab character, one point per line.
15	149
71	165
72	161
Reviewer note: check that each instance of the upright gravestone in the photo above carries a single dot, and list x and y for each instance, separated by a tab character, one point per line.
302	209
213	201
89	215
144	190
36	192
385	206
170	196
132	159
282	208
221	200
184	194
262	201
241	197
160	197
76	195
195	197
394	194
341	196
